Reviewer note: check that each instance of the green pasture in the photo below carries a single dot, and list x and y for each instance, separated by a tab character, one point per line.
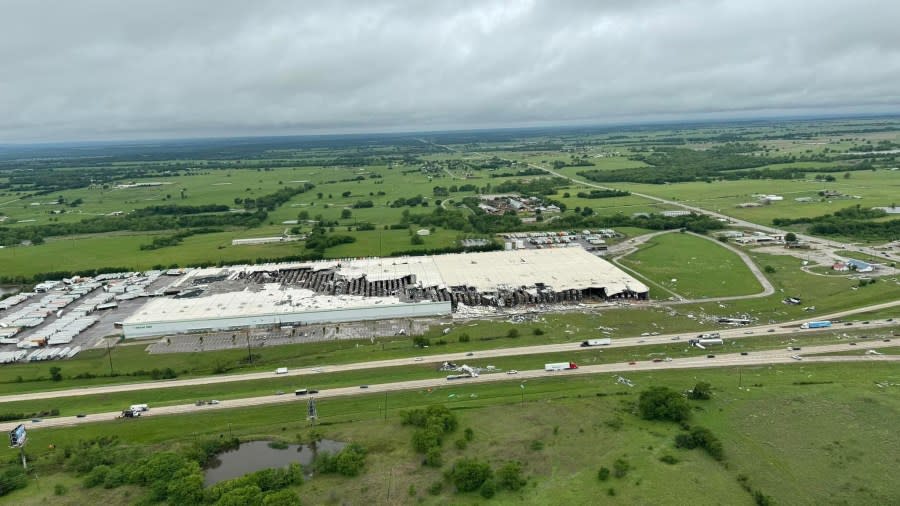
693	267
761	414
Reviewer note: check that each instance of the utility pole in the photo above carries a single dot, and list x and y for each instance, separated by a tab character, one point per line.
249	355
740	377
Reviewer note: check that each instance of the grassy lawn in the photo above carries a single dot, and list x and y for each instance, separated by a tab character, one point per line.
693	267
583	423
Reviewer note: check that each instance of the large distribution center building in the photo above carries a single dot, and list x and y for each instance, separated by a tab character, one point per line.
378	288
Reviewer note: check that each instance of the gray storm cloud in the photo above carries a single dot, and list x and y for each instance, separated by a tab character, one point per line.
119	69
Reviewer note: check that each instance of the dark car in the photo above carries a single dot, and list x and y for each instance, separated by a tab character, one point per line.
364	386
743	353
80	415
313	391
710	356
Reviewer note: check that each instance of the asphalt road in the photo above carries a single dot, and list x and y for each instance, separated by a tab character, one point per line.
724	360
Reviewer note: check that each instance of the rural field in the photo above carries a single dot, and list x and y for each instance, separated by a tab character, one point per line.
692	267
565	431
801	433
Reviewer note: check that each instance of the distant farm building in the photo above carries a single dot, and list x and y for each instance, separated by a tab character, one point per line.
673	214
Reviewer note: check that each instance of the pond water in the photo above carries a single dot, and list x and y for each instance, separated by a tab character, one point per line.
257	455
8	290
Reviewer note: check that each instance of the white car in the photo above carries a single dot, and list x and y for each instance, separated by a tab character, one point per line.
512	371
213	401
418	359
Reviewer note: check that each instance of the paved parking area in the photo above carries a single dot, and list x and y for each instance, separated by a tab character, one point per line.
258	338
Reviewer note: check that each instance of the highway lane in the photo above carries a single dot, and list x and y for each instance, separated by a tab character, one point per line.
760	358
736	333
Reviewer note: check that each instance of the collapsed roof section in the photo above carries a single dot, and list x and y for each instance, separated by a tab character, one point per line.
497	278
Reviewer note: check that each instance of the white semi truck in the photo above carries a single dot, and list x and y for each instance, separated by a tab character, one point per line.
596	342
560	366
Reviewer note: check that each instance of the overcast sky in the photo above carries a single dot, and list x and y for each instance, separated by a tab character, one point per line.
119	69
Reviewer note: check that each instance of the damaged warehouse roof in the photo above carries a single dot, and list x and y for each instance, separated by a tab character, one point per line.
377	288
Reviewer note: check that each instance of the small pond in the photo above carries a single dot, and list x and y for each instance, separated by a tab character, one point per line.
257	455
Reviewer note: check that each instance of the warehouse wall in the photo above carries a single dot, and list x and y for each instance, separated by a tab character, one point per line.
151	329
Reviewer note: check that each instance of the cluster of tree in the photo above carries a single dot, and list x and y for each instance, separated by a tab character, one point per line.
492	246
176	210
670	165
363	204
701	437
471	474
574	162
480	222
319	241
491	163
177	477
174	240
15	235
665	404
350	461
410	202
849	222
535	187
468	187
432	425
603	194
272	200
530	171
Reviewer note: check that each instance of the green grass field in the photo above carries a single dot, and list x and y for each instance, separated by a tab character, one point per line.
692	267
583	423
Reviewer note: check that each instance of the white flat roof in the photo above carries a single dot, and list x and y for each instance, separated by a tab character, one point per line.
558	268
271	300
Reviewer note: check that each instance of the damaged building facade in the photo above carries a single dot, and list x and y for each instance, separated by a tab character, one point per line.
378	288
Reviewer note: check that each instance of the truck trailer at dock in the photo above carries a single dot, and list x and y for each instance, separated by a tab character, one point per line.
816	325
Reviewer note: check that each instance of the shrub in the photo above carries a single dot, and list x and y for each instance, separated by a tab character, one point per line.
702	391
621	468
469	474
461	444
668	459
663	403
513	333
700	437
488	489
97	476
538	331
509	476
603	474
464	338
469	434
761	499
59	489
433	457
436	488
347	462
769	269
537	445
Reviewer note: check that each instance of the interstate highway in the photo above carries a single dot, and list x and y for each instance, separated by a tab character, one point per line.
759	358
736	333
